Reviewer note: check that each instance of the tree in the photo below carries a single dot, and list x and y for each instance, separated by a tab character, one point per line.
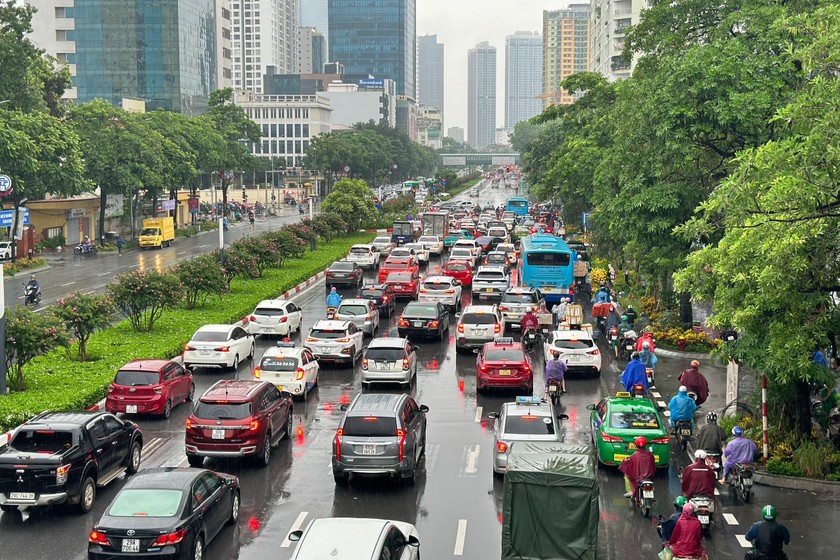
143	295
29	334
353	201
239	263
264	253
82	315
200	277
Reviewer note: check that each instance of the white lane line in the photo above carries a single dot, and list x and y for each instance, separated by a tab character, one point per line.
742	540
105	273
661	403
460	537
182	252
478	411
202	246
656	394
470	467
730	518
67	284
295	526
717	493
153	445
665	412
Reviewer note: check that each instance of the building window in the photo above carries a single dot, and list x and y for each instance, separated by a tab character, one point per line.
54	232
65	35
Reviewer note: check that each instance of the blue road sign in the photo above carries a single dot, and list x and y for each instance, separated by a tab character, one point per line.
7	217
585	219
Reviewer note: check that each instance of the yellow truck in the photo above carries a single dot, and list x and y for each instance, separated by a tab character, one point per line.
157	232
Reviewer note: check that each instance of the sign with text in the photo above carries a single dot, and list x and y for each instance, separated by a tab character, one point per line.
76	213
7	217
5	185
167	205
193	205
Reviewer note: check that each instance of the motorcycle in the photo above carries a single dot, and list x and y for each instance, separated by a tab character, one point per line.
331	312
31	294
740	480
644	497
682	430
555	391
612	335
637	391
651	379
704	510
82	249
530	339
714	461
627	346
545	330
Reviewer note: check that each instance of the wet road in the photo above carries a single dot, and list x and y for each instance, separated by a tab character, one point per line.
456	503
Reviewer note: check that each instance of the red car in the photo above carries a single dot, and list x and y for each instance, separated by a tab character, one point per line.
545	229
397	264
503	363
406	284
149	387
459	270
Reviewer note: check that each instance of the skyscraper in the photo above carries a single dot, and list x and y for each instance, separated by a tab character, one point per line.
566	50
481	95
314	13
265	33
608	22
312	51
376	38
430	61
523	77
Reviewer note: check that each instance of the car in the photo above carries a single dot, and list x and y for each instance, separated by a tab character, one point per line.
383	244
468	244
338	341
150	387
381	294
617	421
465	204
373	539
497	258
465	255
462	271
365	255
525	419
362	312
389	360
219	346
487	243
419	250
455	235
63	457
510	250
442	289
500	232
405	251
478	324
516	301
380	433
397	264
541	227
344	273
291	369
238	418
432	244
275	317
503	364
490	281
5	250
405	284
166	512
577	348
426	319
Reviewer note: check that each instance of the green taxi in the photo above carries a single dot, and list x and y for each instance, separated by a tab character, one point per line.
617	421
453	236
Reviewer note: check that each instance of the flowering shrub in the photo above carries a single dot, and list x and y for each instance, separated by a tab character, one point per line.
597	277
200	277
287	245
143	295
302	232
672	336
264	252
28	335
239	263
82	314
20	264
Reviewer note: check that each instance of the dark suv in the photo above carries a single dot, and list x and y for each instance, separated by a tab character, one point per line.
344	273
380	434
238	418
382	294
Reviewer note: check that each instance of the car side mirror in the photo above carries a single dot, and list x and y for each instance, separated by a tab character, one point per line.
344	407
424	408
412	541
128	425
563	416
590	407
458	315
493	415
295	536
476	351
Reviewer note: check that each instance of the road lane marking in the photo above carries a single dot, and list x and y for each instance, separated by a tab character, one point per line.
460	537
182	252
106	273
67	284
717	493
295	526
202	246
742	540
661	403
469	464
431	456
478	411
666	412
656	394
153	445
730	518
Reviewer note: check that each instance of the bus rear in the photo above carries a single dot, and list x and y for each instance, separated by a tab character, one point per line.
547	263
518	205
402	233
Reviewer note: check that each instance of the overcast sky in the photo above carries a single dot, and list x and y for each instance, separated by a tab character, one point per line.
460	25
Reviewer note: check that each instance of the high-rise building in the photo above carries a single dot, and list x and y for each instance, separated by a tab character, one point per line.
523	77
312	51
315	13
608	23
481	95
54	30
265	33
224	44
376	38
429	126
456	133
430	71
566	50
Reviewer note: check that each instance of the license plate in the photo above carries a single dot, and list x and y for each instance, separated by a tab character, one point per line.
628	347
266	330
218	434
279	387
131	409
504	372
572	357
131	545
21	496
552	388
417	323
685	431
368	450
398	286
703	519
204	352
647	494
488	289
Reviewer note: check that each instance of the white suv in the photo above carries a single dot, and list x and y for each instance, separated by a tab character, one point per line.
478	324
338	341
576	348
294	370
443	289
365	255
432	243
389	360
274	317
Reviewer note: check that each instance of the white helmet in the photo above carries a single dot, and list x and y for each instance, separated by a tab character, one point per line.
645	344
700	454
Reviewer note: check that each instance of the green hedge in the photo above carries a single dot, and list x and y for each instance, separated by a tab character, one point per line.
54	382
467	184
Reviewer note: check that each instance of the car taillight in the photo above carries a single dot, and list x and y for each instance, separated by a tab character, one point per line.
170	538
253	318
299	374
661	441
571	290
365	363
343	340
401	436
284	319
254	425
497	328
461	327
339	435
525	368
434	324
385	298
449	292
424	291
535	308
98	538
610	439
503	308
257	373
483	368
158	390
311	339
405	363
594	352
188	348
501	447
61	474
368	317
403	322
222	349
189	424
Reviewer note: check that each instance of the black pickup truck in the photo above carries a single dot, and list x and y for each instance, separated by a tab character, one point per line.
63	457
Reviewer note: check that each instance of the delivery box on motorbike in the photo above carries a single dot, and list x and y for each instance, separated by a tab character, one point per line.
550	508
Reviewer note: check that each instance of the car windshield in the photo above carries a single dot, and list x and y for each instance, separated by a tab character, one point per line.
396	264
360	251
42	441
146	502
508	354
436	285
149	231
426	239
222	410
372	292
327	333
137	378
352	309
399	277
528	424
382	240
269	312
385	354
519	298
210	336
370	426
478	318
344	266
420	310
278	363
626	420
456	266
574	344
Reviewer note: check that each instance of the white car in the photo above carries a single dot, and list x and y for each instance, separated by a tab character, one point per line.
432	243
364	255
356	537
500	232
468	244
419	250
510	249
275	317
576	348
443	289
362	312
219	346
479	324
463	254
389	360
383	244
5	250
294	370
338	341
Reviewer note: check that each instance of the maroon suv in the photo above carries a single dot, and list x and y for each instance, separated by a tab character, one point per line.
238	418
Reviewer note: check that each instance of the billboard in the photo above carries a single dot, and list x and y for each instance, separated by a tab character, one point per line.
372	82
455	161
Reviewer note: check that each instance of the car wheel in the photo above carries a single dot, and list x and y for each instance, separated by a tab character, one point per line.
341	479
195	461
134	458
191	393
299	324
198	548
167	409
87	495
411	479
187	366
287	432
264	458
234	509
7	509
236	362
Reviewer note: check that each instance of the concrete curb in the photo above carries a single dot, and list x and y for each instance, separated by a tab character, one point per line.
797	483
685	355
28	271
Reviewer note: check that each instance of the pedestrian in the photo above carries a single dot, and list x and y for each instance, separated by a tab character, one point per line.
612	272
119	242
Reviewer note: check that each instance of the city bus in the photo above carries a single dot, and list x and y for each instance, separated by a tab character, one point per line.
547	263
518	205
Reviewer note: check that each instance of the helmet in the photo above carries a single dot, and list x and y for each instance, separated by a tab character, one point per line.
629	306
688	509
332	289
768	512
695	363
645	344
680	502
700	454
737	431
711	417
641	442
648	329
634	356
624	318
683	389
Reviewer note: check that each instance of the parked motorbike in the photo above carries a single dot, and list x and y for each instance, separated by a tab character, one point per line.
331	312
644	498
651	378
704	510
682	431
530	340
83	249
740	480
31	294
555	391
